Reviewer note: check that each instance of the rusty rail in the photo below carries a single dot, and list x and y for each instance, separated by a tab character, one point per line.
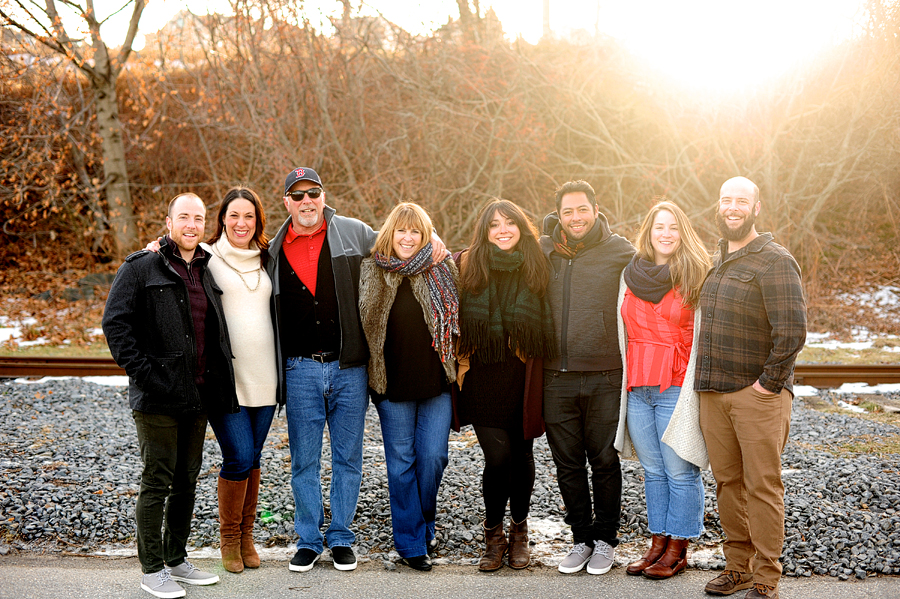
31	366
826	376
822	376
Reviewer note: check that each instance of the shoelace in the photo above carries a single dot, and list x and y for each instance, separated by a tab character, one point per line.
734	576
190	567
763	589
603	549
580	549
163	576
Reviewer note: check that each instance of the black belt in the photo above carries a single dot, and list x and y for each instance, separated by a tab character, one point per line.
324	356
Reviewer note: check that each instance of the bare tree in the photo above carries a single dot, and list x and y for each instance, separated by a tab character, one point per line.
44	24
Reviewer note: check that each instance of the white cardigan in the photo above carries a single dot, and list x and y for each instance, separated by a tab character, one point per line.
683	434
249	321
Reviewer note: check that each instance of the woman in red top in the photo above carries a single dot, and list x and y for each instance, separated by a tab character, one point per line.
663	287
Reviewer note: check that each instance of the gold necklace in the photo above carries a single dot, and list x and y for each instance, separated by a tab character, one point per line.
238	273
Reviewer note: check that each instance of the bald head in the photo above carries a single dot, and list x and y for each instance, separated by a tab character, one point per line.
739	186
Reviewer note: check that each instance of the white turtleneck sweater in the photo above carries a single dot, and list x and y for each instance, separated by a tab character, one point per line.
249	322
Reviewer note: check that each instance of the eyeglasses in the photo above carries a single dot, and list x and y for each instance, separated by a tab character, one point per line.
297	195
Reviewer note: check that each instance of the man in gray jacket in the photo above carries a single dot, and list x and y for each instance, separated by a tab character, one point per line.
165	326
583	384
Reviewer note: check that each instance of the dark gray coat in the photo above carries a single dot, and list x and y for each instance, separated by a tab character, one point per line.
150	332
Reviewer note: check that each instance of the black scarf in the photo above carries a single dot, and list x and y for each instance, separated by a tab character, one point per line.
647	280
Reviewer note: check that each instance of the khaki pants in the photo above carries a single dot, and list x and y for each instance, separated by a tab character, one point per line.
745	433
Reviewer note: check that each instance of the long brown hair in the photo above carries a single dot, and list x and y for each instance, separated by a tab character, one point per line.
259	235
689	265
474	270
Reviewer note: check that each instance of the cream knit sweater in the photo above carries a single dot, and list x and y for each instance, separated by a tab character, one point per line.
683	434
249	321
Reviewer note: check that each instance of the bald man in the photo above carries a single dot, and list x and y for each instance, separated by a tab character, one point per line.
753	325
165	326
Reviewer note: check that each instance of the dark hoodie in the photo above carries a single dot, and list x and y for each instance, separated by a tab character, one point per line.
583	292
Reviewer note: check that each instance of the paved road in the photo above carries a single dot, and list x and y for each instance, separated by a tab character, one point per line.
26	577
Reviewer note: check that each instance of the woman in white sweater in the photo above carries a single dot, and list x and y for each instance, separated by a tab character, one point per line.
239	252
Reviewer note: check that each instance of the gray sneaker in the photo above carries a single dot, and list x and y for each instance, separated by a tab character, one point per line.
602	558
159	584
577	558
189	573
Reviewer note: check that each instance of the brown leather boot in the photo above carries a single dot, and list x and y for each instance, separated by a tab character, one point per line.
495	547
673	561
248	516
519	553
658	545
231	503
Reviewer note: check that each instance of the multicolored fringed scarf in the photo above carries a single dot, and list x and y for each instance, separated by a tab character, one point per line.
444	295
506	315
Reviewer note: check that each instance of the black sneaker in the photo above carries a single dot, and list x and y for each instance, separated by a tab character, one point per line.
344	558
421	563
303	560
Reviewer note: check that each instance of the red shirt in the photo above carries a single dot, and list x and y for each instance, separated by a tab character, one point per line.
659	340
302	252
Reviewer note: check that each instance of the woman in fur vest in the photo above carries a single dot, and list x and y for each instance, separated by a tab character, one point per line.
409	307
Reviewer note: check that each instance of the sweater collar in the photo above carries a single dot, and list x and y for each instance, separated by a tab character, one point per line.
240	259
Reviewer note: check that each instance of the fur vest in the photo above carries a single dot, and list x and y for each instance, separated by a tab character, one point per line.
377	290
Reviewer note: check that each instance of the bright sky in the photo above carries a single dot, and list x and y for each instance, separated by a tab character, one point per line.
707	44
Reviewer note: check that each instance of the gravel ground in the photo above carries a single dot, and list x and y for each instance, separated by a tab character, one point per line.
69	472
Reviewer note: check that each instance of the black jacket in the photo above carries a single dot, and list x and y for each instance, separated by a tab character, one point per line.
349	241
150	332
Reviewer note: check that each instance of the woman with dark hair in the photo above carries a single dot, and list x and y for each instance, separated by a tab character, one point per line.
506	328
409	308
239	252
657	321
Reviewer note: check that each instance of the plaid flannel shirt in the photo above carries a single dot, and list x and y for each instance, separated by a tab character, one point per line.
753	321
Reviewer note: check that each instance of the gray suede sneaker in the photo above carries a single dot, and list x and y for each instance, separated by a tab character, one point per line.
159	584
189	573
577	558
602	558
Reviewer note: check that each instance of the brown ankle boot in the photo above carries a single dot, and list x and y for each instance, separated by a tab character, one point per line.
495	546
657	547
519	553
231	504
673	561
248	516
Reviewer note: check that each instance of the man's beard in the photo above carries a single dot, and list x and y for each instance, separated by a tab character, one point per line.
738	234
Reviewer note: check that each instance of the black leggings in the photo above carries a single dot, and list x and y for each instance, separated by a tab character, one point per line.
508	473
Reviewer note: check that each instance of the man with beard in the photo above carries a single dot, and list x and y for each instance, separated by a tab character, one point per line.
753	325
582	385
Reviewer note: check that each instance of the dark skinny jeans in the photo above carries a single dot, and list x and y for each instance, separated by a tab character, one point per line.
172	452
508	474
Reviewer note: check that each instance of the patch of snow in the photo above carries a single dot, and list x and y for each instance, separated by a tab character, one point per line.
863	388
851	407
805	391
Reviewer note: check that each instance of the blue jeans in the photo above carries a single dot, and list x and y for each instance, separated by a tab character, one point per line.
241	437
672	486
415	450
318	393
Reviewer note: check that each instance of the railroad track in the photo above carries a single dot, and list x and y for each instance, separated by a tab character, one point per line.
823	376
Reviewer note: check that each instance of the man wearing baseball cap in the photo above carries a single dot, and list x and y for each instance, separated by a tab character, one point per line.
323	356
